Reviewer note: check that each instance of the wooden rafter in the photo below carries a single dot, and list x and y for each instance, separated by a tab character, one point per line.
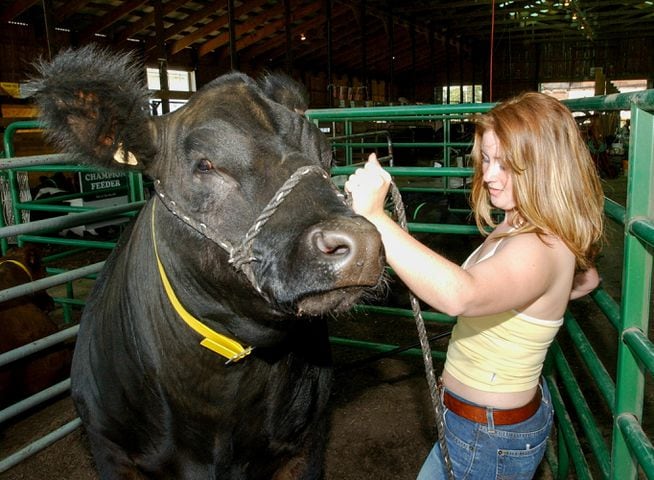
15	9
110	18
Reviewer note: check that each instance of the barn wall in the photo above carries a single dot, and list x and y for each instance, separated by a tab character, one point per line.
520	66
517	66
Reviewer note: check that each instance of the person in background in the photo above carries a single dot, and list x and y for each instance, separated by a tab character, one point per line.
510	295
597	146
623	137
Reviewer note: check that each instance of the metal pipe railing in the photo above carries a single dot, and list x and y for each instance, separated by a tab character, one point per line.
34	400
630	318
639	444
636	287
595	366
569	442
38	345
40	444
65	221
23	230
583	410
630	447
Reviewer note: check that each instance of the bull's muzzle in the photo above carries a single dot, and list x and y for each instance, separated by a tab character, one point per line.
350	247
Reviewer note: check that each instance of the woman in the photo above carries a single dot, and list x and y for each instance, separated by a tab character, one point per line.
510	295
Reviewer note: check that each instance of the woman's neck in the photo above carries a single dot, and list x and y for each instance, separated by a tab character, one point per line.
512	219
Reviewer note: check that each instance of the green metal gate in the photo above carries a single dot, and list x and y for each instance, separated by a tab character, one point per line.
629	452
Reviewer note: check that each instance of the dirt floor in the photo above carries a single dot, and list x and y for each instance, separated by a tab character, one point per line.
381	421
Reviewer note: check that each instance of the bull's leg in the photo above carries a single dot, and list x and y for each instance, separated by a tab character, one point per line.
301	467
111	462
308	464
293	469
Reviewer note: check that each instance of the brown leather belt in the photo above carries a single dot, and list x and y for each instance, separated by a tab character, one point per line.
500	416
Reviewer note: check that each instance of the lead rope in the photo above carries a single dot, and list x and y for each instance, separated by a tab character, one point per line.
434	389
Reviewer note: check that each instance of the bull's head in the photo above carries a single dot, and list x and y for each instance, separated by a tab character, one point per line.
236	167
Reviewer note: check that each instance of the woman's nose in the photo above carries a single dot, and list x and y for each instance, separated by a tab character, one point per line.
491	171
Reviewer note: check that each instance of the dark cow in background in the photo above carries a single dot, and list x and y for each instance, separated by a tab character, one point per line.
24	320
203	349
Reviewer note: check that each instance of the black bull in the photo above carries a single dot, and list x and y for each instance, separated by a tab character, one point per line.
185	366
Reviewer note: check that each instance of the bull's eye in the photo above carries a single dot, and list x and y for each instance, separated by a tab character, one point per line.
205	165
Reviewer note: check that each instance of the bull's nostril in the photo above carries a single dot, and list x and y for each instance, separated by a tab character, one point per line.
331	243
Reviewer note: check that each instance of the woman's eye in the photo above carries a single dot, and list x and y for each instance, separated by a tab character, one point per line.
205	165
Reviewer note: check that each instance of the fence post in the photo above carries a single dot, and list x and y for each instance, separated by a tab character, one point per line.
636	288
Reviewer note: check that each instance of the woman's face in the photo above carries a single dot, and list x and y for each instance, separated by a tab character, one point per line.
497	179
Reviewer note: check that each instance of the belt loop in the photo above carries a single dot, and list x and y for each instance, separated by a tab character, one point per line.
490	419
541	386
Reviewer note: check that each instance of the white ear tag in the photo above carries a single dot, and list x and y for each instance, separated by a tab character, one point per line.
119	156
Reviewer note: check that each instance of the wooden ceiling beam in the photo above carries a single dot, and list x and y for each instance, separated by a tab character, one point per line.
201	31
68	9
377	39
15	9
146	21
343	38
276	47
179	27
218	24
348	50
273	26
110	18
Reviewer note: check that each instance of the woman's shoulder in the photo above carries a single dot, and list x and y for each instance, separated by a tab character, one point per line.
537	245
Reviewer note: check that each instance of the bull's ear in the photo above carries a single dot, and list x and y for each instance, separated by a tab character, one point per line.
93	104
283	89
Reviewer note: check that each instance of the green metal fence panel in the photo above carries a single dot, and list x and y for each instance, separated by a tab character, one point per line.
637	283
568	440
10	131
630	447
638	442
608	305
11	167
34	232
595	366
584	413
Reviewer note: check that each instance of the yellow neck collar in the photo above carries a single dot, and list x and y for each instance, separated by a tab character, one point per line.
214	341
23	267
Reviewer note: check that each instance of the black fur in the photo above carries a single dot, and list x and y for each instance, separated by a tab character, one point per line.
90	107
154	402
283	89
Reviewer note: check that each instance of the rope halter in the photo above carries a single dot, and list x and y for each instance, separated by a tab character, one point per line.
242	257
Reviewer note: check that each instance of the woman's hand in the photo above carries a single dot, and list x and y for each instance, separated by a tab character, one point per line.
584	283
368	187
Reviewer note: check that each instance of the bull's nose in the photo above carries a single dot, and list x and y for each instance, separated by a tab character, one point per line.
350	247
331	243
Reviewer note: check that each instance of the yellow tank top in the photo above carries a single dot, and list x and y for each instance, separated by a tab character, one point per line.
499	353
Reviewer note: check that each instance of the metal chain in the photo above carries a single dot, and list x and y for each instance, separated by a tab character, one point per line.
434	390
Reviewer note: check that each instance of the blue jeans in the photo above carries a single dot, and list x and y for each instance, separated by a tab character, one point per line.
485	452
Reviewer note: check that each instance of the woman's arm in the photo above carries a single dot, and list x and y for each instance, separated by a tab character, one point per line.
584	283
514	277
